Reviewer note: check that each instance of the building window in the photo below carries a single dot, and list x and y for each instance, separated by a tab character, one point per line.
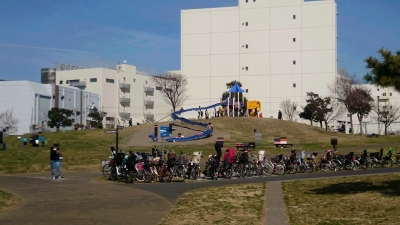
93	79
159	88
109	118
377	89
247	68
246	24
294	17
294	62
247	90
247	46
365	116
109	80
348	115
390	107
61	82
390	94
72	81
384	94
294	85
247	1
294	39
254	0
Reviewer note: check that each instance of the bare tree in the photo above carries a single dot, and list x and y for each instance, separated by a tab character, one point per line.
337	111
386	113
173	88
7	118
341	90
289	109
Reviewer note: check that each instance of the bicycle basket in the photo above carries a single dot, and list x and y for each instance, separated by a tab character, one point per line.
171	156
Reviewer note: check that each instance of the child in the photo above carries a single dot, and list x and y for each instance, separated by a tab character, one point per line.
153	137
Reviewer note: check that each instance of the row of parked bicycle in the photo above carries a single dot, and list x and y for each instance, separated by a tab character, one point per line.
145	167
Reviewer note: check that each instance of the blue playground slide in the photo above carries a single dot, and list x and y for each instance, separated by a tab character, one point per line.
205	133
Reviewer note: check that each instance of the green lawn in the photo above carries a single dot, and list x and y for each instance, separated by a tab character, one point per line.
84	149
229	204
347	200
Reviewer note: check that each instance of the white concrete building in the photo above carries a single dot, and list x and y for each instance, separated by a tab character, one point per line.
277	49
124	93
30	103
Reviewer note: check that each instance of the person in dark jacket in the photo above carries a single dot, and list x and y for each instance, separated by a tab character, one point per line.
55	161
218	147
279	115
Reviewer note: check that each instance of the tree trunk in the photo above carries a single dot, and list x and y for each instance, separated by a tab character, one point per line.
326	126
351	124
386	128
361	131
311	122
320	123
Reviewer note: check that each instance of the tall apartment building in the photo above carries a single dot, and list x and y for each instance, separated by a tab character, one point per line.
125	93
278	49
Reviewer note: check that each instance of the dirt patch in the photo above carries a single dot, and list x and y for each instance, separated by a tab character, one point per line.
231	204
8	201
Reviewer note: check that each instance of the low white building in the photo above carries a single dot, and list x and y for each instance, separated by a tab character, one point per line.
387	97
124	93
31	101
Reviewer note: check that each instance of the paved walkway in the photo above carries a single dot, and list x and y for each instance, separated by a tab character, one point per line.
275	207
80	199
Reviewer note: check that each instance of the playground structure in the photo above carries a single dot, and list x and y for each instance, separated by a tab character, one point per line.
231	106
253	107
206	133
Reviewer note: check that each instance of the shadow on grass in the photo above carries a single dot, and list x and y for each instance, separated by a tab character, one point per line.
391	188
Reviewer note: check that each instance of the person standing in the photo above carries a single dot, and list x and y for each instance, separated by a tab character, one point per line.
130	122
279	115
199	113
206	114
55	161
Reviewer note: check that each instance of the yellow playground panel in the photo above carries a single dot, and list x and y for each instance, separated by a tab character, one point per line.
254	108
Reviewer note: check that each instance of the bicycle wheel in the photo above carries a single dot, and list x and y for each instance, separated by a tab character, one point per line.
139	175
180	173
149	175
279	169
129	176
228	173
356	165
106	170
113	174
387	163
195	173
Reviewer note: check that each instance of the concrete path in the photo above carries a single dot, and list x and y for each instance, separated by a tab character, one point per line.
141	137
80	199
275	207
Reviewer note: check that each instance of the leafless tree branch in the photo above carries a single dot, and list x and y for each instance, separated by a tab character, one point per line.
7	118
173	88
289	109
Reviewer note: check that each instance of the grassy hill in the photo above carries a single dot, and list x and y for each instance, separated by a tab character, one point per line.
83	150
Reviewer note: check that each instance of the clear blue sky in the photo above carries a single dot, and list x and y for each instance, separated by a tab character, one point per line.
38	34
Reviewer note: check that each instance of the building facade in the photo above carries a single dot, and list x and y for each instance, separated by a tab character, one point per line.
31	101
124	92
277	49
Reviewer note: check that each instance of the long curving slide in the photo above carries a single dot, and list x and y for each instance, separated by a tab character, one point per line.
206	133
